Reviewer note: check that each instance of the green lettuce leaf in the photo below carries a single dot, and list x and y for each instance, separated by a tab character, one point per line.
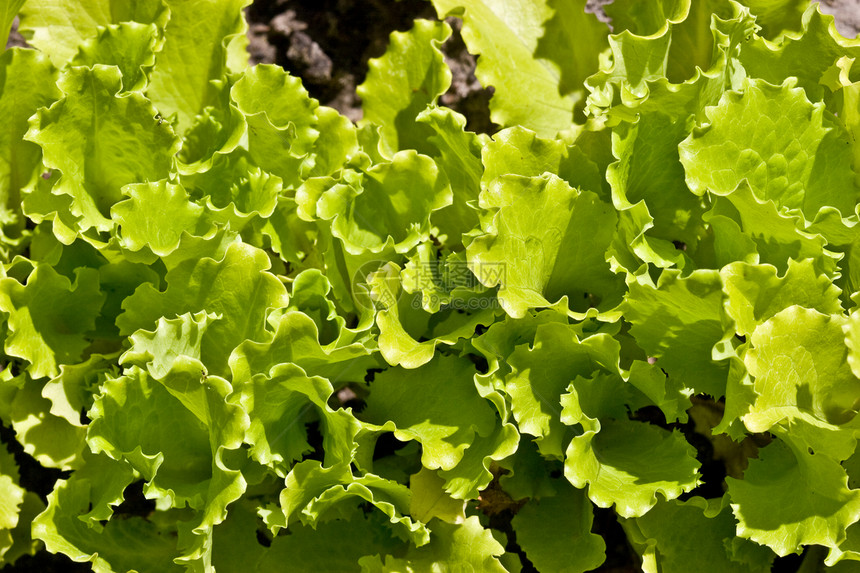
336	544
507	34
311	294
634	62
799	360
316	494
91	136
119	544
281	118
458	154
769	235
392	100
429	499
337	142
781	144
237	288
467	545
387	206
59	27
666	392
528	474
74	389
405	319
538	526
50	317
520	151
627	463
852	341
646	18
649	170
218	130
572	42
475	471
251	193
23	542
7	15
398	403
52	440
679	321
846	91
141	218
27	82
195	49
756	292
118	281
778	18
130	46
791	497
675	536
280	406
504	336
12	496
296	340
557	261
289	236
817	43
674	58
191	472
237	541
541	373
687	24
158	350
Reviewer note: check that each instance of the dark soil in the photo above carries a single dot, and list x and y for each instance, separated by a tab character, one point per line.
328	44
847	13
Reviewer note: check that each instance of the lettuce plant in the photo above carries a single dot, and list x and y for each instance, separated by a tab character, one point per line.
404	346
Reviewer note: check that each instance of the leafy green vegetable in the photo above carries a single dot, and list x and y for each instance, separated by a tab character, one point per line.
538	526
253	334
